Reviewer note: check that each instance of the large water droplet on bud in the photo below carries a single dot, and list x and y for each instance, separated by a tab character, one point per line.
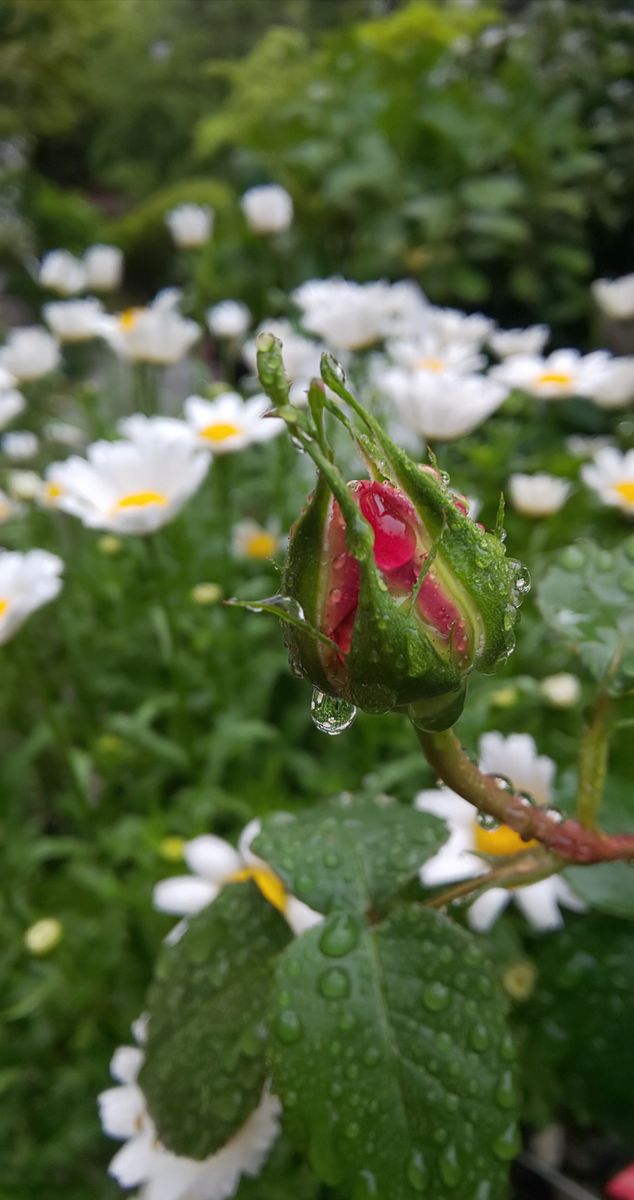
330	714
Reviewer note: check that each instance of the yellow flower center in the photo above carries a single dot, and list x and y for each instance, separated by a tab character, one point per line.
626	490
260	545
220	431
4	604
431	364
500	842
53	491
561	379
270	886
128	318
139	500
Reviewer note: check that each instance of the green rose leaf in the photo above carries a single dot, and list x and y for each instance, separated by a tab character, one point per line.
355	855
581	1021
587	599
390	1050
204	1065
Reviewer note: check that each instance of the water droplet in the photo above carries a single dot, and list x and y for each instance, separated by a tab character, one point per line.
372	1056
352	1131
627	580
436	996
416	1172
507	1145
450	1169
334	984
366	1187
479	1038
604	560
522	583
340	936
573	558
331	714
505	1095
331	859
507	1048
485	821
288	1027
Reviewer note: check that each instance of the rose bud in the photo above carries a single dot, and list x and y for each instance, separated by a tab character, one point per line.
397	594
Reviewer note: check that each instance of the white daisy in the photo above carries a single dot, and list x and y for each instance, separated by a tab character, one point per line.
434	355
615	297
230	423
27	581
347	315
251	540
190	225
156	334
228	319
562	690
74	320
61	272
538	495
104	268
214	864
514	758
561	374
611	476
531	340
29	353
143	1161
268	208
135	485
440	405
11	405
19	445
616	390
453	325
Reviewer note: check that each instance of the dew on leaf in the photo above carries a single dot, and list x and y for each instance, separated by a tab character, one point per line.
339	937
436	996
334	984
416	1172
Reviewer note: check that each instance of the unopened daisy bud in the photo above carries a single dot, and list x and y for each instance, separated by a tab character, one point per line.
44	936
172	848
505	697
562	690
519	980
206	593
109	544
398	595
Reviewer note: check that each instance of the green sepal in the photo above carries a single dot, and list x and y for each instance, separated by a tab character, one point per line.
204	1067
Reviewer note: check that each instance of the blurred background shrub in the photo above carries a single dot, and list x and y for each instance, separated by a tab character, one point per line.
480	148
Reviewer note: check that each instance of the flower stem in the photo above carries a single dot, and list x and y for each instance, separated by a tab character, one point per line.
568	839
593	762
525	868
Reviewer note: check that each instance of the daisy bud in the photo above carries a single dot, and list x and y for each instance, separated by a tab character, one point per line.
400	593
44	936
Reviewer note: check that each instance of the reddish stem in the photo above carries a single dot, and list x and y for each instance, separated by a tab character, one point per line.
568	839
